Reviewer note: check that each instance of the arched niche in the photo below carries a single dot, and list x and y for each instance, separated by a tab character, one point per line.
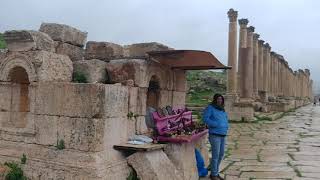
19	97
153	94
11	62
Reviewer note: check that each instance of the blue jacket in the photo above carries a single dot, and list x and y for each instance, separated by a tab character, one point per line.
216	120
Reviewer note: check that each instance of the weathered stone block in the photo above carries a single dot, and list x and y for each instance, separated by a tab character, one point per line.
178	99
154	165
116	101
141	71
141	126
5	94
103	50
84	134
81	100
117	171
117	133
39	65
164	74
28	40
142	101
137	100
183	157
257	106
165	98
94	70
133	99
54	67
75	53
46	129
180	82
125	69
64	33
140	49
242	112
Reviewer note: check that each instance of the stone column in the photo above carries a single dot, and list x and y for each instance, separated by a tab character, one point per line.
295	84
232	52
269	72
265	67
291	82
280	75
311	90
287	92
242	54
271	77
276	70
255	65
300	83
261	49
248	66
308	80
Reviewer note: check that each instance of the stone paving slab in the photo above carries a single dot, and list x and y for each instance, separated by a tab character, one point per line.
287	148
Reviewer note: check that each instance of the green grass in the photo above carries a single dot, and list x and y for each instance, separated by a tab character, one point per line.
79	77
2	42
200	98
203	85
15	173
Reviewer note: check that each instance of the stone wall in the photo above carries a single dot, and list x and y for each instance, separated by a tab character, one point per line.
40	107
90	119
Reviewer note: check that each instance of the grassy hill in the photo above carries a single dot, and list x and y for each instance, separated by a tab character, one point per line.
203	85
2	43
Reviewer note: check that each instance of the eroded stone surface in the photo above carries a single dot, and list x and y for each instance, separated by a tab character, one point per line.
103	50
40	66
140	49
154	165
28	40
64	33
75	53
94	70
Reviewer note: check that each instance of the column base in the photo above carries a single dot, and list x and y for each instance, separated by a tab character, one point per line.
263	96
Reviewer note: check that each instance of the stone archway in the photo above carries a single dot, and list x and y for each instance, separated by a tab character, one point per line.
153	94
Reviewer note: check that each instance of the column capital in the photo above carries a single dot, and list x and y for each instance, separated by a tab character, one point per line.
272	53
250	29
261	42
280	57
256	36
267	46
307	71
243	22
233	15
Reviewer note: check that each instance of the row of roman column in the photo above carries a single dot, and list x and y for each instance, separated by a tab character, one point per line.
259	69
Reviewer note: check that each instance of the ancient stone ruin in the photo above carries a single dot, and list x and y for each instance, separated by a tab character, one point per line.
260	80
68	130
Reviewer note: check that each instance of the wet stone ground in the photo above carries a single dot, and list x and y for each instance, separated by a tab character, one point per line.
287	148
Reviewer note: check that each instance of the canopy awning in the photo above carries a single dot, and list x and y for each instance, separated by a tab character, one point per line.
187	59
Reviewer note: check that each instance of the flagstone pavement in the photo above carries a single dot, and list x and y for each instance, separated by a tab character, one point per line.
287	148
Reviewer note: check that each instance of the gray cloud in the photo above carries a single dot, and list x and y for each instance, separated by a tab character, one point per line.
290	26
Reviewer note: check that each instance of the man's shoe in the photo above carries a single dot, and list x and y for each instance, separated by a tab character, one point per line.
214	177
220	177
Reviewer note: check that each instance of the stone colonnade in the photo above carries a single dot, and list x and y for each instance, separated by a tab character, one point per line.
259	74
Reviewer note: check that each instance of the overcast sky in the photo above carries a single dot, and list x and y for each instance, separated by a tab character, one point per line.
291	27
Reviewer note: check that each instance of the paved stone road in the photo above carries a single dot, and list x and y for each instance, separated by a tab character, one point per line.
288	148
